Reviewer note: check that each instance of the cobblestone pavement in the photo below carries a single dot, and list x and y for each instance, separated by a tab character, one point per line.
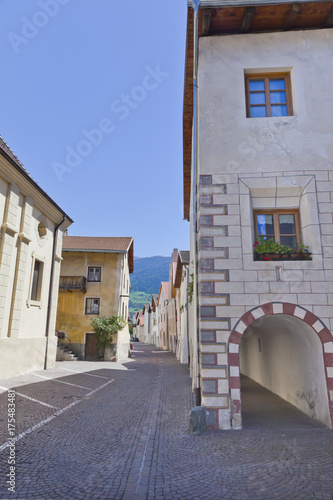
117	431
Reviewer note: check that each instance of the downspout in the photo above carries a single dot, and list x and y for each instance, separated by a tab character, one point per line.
121	285
196	4
49	305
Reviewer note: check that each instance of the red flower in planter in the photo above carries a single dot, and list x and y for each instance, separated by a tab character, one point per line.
267	258
256	243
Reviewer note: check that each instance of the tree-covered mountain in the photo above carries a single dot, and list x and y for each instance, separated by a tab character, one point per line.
146	279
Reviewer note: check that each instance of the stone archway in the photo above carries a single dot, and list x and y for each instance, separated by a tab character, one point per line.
270	309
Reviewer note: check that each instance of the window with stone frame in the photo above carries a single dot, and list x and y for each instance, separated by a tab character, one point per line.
282	226
268	95
37	277
94	274
92	306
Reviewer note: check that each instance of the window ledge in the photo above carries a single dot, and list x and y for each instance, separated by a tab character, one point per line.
34	303
291	257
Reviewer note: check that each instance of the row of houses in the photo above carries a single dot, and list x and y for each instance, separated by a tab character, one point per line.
50	282
165	321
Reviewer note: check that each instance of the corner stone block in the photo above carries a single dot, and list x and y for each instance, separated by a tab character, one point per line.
224	419
198	420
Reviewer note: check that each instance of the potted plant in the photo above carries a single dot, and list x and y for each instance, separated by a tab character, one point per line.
301	251
269	249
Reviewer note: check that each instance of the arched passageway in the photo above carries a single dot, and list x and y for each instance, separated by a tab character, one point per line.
287	350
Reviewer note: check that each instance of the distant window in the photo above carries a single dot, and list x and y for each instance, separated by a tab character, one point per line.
92	306
268	95
37	277
94	274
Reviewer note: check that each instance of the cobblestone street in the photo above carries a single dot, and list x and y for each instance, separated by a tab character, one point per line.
117	431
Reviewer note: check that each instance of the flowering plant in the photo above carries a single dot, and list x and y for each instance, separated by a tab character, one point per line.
267	247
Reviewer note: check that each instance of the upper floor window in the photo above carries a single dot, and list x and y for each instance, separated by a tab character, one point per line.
92	306
94	274
37	277
268	95
280	225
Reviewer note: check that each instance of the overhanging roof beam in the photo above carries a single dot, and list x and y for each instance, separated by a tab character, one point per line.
329	19
295	9
247	19
207	15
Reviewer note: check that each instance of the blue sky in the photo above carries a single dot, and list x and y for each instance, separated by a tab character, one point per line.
91	103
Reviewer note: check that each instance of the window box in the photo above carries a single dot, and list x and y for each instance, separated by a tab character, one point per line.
275	256
268	249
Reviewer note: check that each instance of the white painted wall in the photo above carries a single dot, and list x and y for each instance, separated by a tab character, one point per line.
23	321
229	139
284	354
182	316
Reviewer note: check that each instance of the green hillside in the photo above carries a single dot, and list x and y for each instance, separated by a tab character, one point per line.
146	279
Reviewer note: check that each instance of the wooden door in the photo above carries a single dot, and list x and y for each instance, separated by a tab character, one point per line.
91	350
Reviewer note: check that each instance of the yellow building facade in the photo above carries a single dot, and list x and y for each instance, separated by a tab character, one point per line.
94	281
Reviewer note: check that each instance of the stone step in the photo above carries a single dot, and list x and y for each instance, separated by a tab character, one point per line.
64	353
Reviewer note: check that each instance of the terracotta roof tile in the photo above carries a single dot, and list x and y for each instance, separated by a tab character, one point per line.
107	243
101	244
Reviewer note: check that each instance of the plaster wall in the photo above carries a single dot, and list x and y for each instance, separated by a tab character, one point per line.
172	329
231	142
163	320
154	328
182	315
71	316
284	355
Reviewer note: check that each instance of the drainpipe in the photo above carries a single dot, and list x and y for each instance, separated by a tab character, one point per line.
196	4
49	305
121	284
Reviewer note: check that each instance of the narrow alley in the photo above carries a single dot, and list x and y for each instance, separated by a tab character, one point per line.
111	431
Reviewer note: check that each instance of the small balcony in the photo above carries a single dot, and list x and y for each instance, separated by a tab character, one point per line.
73	283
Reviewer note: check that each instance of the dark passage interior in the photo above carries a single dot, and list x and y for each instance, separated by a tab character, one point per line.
263	409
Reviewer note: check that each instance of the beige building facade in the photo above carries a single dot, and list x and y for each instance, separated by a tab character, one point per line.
182	279
264	172
30	256
163	315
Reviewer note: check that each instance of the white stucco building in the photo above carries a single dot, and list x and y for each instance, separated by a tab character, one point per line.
30	256
182	296
146	311
163	315
262	161
154	320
